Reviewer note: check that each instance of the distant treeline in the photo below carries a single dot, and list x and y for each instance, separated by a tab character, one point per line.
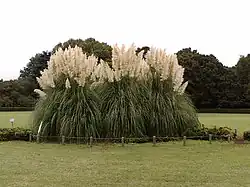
211	84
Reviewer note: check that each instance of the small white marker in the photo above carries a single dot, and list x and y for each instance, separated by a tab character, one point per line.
12	120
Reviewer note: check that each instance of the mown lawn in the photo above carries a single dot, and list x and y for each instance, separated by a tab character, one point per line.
239	121
168	164
22	119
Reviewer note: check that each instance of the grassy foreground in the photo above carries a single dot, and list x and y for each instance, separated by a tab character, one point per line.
239	121
168	164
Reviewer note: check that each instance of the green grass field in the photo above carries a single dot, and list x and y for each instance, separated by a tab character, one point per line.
239	121
22	119
234	121
168	164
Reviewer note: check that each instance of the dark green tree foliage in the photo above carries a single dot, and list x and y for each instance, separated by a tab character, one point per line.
145	49
211	84
36	64
230	91
13	93
243	75
32	70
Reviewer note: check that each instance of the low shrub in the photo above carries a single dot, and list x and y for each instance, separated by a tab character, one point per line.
246	135
8	134
225	110
16	109
198	133
203	133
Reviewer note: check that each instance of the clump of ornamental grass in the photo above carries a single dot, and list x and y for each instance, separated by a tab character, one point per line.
171	112
132	96
123	93
144	97
68	106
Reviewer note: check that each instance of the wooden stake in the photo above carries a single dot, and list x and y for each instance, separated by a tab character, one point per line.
235	132
38	138
63	140
122	141
184	140
154	141
229	138
210	138
91	141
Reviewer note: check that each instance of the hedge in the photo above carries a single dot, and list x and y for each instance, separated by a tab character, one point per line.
246	135
8	134
226	110
11	109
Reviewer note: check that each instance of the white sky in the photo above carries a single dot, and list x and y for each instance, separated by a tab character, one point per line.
214	27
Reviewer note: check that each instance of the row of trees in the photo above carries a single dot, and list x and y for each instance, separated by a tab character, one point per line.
211	84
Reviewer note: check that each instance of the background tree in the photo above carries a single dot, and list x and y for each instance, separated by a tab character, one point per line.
27	78
13	93
35	65
145	50
243	75
211	84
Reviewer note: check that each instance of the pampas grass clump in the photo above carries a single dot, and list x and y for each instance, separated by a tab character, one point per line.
68	106
171	112
131	97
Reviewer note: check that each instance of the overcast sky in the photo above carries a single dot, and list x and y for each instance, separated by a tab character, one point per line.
214	27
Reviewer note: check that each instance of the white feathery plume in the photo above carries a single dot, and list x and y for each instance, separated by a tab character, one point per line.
125	62
102	73
40	93
167	66
67	84
182	88
72	63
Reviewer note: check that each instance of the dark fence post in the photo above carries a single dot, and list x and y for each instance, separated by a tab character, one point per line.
122	141
63	140
229	138
154	141
235	132
91	141
38	138
210	138
184	140
30	137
